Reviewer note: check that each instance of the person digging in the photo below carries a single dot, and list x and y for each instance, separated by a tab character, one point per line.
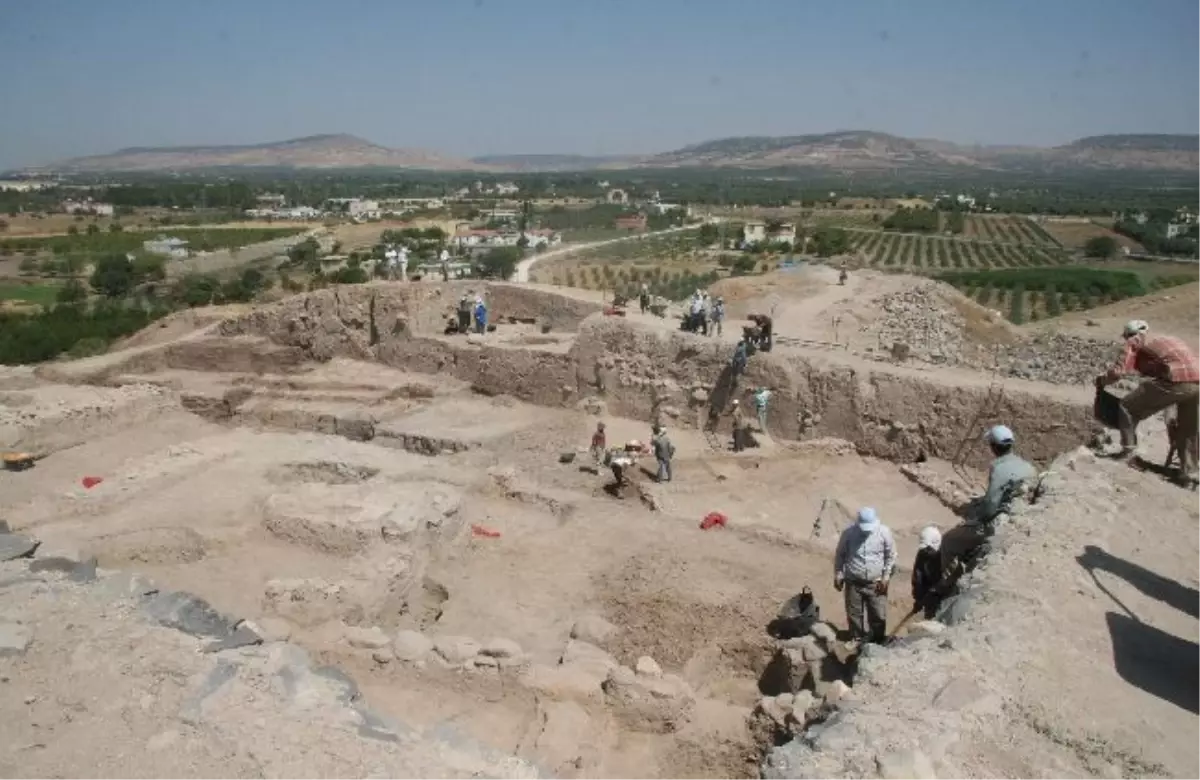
1172	380
964	544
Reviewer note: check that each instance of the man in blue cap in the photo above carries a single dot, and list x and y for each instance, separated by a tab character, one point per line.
1006	479
862	568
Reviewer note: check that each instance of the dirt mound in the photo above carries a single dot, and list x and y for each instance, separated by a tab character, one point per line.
1081	624
179	324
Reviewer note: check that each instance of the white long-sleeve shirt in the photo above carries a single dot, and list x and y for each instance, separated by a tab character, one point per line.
865	555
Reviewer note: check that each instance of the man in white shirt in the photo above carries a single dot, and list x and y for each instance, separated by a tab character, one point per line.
862	568
402	259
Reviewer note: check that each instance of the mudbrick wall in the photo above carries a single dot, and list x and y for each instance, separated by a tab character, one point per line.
648	373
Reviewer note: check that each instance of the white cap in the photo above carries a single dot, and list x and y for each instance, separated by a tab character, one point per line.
1000	434
930	538
867	519
1134	327
736	402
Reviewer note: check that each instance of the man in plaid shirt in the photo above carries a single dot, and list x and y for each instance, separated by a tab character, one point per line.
1172	380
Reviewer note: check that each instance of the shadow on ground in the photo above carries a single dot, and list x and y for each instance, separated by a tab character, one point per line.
1156	586
1159	663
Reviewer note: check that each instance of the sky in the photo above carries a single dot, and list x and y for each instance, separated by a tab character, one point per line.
473	77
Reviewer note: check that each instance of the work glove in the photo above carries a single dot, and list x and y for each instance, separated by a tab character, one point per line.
838	582
881	587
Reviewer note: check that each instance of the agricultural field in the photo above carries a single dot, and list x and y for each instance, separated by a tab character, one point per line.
1006	229
1074	235
672	265
915	253
1031	294
199	240
40	293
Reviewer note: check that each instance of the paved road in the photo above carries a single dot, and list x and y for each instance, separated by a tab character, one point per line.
523	267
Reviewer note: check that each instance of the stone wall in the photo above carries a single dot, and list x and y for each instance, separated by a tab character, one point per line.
647	373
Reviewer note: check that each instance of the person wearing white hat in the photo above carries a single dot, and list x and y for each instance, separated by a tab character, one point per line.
1007	478
862	568
1172	380
927	571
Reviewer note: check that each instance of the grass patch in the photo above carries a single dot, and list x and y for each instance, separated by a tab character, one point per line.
41	294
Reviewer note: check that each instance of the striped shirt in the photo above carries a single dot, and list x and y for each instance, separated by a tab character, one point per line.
1160	357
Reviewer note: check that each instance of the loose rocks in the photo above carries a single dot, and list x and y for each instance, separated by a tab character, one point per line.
372	638
411	646
456	649
593	629
14	639
501	648
13	546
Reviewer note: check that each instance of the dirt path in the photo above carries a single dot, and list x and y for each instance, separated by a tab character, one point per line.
524	267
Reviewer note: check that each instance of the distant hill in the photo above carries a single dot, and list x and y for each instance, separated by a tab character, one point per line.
1139	151
315	151
532	163
854	149
849	150
867	150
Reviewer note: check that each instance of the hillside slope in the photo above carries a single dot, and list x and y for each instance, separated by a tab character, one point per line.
1074	651
318	151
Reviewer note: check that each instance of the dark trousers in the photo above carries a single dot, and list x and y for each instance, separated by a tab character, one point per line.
866	611
464	321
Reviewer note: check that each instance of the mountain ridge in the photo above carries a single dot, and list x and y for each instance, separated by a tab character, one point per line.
854	150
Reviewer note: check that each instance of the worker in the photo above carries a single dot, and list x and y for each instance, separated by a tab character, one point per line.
402	262
480	315
862	568
741	355
843	274
664	451
761	397
927	572
741	427
718	315
1172	380
444	259
621	458
644	298
764	334
599	444
965	543
464	313
391	256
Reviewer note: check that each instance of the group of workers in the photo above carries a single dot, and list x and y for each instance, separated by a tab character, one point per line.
621	459
866	552
865	559
471	310
703	314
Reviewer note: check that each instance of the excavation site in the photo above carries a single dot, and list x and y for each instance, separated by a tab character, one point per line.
324	537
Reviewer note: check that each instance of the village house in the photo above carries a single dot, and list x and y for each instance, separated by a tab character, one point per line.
631	222
87	207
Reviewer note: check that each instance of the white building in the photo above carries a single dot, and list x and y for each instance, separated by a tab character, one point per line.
175	248
88	207
755	232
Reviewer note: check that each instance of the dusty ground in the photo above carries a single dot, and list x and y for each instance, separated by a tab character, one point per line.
344	505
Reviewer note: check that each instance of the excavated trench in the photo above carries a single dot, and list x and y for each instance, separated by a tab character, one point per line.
436	524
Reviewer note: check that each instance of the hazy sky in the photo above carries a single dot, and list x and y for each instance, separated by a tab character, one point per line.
470	77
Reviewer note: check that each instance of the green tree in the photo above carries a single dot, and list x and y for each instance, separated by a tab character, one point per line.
93	229
1016	311
197	289
113	276
500	263
708	234
115	227
829	241
72	230
147	267
1101	247
72	292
